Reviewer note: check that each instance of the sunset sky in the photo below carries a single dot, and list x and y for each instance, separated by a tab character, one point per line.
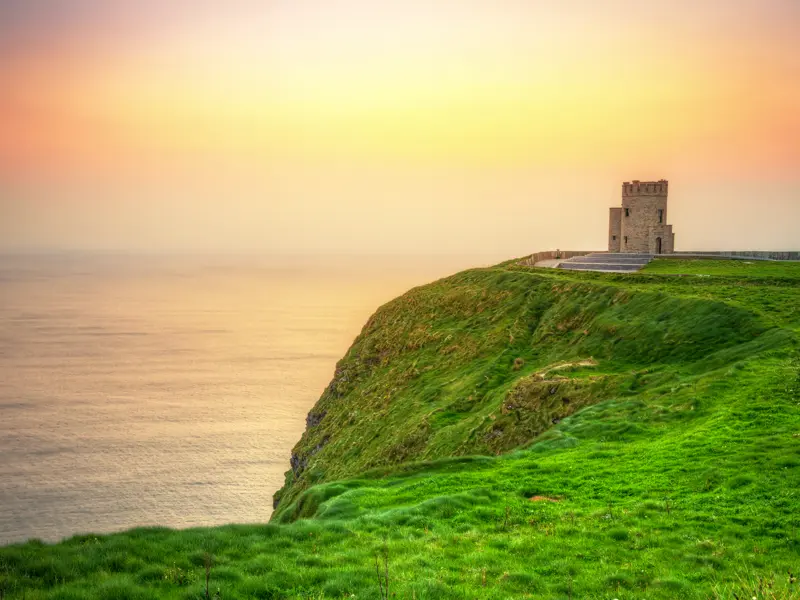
355	126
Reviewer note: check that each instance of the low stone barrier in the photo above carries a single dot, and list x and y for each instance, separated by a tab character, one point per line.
736	254
553	254
732	254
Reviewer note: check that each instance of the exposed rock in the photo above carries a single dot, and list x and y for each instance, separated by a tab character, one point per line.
299	463
314	419
494	433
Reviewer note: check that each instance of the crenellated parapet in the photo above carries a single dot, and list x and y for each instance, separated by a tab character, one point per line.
645	188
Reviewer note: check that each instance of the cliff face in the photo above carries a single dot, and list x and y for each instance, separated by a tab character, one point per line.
486	361
660	420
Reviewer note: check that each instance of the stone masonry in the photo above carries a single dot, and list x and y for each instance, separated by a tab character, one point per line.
640	225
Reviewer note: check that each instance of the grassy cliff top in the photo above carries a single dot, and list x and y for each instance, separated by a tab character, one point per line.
485	361
517	433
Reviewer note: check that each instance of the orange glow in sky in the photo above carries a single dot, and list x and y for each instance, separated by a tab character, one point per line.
257	125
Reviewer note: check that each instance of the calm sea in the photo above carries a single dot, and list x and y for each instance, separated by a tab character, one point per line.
167	390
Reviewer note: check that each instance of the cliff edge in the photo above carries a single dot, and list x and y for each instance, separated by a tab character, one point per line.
487	361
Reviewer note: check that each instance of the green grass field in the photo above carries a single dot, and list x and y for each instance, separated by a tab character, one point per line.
732	268
515	432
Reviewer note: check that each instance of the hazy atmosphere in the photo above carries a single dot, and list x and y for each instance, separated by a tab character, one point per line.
382	299
477	127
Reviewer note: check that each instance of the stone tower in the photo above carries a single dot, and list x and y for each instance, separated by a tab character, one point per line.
640	225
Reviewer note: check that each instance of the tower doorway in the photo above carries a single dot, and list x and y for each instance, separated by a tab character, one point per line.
658	245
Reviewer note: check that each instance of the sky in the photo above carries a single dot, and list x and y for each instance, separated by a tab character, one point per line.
497	127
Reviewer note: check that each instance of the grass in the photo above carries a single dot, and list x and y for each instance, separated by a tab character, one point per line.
516	433
730	268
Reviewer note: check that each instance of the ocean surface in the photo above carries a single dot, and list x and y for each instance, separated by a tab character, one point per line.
152	390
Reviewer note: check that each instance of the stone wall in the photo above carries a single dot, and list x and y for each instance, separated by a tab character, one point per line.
735	254
663	232
614	229
741	254
639	217
553	254
642	219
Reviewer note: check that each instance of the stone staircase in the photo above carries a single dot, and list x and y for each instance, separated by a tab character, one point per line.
607	262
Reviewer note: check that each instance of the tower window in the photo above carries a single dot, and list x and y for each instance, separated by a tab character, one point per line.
626	240
614	238
627	212
660	215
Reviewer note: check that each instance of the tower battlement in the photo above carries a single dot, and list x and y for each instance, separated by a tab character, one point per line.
645	188
640	224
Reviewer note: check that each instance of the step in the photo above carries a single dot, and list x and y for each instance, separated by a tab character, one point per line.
586	266
623	254
610	259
